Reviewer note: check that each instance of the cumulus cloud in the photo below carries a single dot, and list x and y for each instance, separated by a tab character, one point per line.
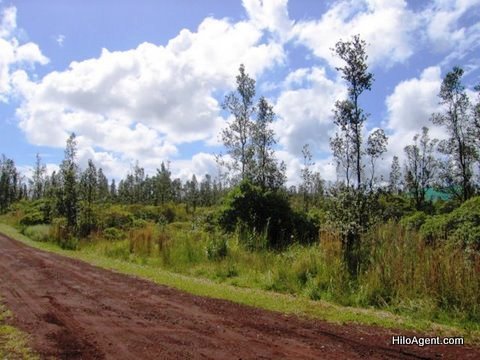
305	111
271	15
410	107
387	26
141	103
13	54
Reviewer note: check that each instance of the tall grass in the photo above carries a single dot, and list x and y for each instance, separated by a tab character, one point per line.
406	274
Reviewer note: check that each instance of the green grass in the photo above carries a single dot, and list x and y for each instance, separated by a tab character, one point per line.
13	342
269	300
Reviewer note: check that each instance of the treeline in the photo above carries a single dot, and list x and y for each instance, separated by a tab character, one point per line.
255	179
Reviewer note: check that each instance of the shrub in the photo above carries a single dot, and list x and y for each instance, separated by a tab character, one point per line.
435	228
112	233
87	220
60	234
263	212
115	216
32	218
38	232
216	247
413	221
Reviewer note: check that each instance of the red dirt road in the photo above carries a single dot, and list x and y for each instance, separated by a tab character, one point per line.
73	310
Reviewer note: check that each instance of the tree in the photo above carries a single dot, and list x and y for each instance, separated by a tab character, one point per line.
102	186
89	184
10	183
163	191
395	176
420	166
38	178
267	172
376	146
348	115
307	176
192	194
237	136
460	146
69	171
88	195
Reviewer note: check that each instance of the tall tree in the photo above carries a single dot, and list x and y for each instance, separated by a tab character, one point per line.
307	176
460	146
10	183
268	173
163	181
395	176
376	147
420	166
348	115
69	173
237	136
102	186
38	178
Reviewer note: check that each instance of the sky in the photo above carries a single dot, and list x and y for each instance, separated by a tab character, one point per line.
144	80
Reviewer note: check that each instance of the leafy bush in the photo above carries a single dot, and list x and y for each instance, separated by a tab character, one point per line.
60	234
32	218
112	233
435	228
393	207
115	216
413	221
38	232
217	247
262	211
87	220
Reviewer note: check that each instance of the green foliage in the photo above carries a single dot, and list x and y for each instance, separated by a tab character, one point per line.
113	233
115	216
413	221
38	232
60	233
217	247
435	228
87	220
264	212
393	207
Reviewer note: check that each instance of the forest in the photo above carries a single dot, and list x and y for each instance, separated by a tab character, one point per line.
408	242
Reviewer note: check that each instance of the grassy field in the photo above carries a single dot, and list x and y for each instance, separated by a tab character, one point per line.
270	300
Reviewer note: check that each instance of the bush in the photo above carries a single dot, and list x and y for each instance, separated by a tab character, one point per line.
60	234
113	234
413	221
464	224
435	228
115	216
38	232
32	218
263	212
87	220
217	247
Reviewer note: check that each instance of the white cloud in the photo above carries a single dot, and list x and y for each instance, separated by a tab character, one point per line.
141	103
14	55
271	15
305	113
410	107
387	26
200	164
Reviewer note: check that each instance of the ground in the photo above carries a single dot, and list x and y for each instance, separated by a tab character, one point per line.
72	310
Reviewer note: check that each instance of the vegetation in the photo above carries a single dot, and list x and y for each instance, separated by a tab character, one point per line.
361	241
13	343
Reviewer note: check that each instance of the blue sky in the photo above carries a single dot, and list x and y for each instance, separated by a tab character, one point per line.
144	80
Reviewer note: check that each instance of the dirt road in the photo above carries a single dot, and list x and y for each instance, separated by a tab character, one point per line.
73	310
